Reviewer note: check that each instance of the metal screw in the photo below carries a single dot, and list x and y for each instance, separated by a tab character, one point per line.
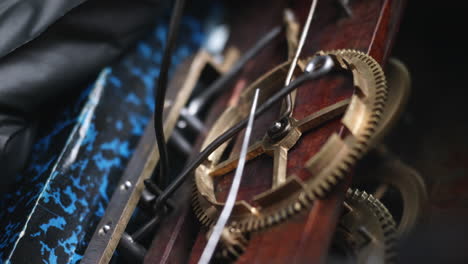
276	127
279	129
104	230
319	62
181	124
127	185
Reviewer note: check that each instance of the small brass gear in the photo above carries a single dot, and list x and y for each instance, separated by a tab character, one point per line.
366	230
233	244
383	173
330	165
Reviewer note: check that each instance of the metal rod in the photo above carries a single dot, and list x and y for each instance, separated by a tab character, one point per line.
146	229
131	250
192	121
180	142
161	88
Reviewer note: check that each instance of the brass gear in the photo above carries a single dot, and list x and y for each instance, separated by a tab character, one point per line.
399	89
381	168
330	165
367	229
362	119
233	244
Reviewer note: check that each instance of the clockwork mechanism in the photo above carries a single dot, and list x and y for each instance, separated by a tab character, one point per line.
289	194
381	172
366	232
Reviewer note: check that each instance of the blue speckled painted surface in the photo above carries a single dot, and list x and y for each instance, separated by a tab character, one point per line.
80	154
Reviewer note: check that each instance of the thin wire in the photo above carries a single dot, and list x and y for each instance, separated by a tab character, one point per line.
161	90
231	199
326	68
300	45
327	65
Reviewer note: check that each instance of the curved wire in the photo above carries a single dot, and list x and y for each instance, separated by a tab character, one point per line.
161	88
305	32
326	65
204	97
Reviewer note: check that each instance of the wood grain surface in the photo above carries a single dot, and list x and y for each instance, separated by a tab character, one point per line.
306	237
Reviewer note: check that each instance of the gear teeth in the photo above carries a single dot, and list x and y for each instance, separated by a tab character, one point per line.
303	199
322	188
387	223
284	214
290	210
270	220
262	223
333	180
320	192
375	103
249	225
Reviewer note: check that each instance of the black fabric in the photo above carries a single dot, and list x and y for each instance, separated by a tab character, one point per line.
23	20
16	138
74	48
60	60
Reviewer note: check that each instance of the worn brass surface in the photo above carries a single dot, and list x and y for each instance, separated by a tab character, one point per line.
289	194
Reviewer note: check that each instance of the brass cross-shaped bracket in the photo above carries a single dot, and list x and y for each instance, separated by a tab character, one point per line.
289	194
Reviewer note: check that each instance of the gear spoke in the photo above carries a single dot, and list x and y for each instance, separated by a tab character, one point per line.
318	118
359	114
279	165
230	164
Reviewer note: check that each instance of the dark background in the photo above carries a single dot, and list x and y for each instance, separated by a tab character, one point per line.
432	134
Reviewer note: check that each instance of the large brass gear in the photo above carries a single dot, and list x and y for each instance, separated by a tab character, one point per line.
367	230
337	157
